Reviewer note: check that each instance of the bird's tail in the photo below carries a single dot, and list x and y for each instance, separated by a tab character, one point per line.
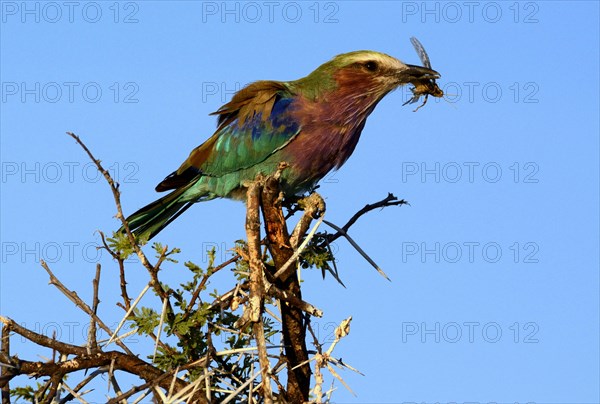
151	219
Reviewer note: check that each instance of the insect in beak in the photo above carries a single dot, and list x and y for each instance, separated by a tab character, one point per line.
423	87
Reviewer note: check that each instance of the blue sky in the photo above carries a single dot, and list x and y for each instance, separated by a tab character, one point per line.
495	292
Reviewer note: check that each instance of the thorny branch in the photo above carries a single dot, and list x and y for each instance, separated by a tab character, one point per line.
120	361
389	200
293	324
114	187
266	280
257	290
323	359
80	303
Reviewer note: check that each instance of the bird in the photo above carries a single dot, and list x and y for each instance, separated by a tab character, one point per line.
313	124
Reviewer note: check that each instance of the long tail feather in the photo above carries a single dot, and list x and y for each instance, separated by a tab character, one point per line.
151	219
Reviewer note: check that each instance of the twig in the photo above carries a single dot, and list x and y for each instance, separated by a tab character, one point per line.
80	303
123	285
160	327
357	248
155	283
389	200
135	303
334	373
54	350
136	389
92	343
202	284
141	397
74	394
235	351
170	392
120	337
41	392
55	382
317	391
323	358
284	271
115	384
250	387
123	282
340	332
81	384
206	387
234	394
334	272
186	394
159	395
162	380
114	187
294	301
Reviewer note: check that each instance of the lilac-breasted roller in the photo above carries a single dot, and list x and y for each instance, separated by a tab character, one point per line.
313	124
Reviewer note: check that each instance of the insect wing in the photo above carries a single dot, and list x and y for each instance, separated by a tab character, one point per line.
421	52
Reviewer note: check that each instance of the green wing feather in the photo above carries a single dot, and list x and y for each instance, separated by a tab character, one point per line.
254	125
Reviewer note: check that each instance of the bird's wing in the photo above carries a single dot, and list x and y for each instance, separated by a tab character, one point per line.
256	123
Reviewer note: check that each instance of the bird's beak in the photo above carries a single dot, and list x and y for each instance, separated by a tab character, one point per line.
417	73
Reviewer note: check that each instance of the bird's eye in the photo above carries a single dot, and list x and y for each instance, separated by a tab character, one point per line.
371	66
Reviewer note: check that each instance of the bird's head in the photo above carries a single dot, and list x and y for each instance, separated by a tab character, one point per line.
366	75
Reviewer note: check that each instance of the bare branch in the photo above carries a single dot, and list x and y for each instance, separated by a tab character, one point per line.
123	282
135	303
164	378
92	344
257	291
43	340
56	370
123	362
80	303
114	187
82	384
389	200
294	301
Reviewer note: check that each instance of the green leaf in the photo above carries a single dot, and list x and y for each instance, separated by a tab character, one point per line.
119	242
145	319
